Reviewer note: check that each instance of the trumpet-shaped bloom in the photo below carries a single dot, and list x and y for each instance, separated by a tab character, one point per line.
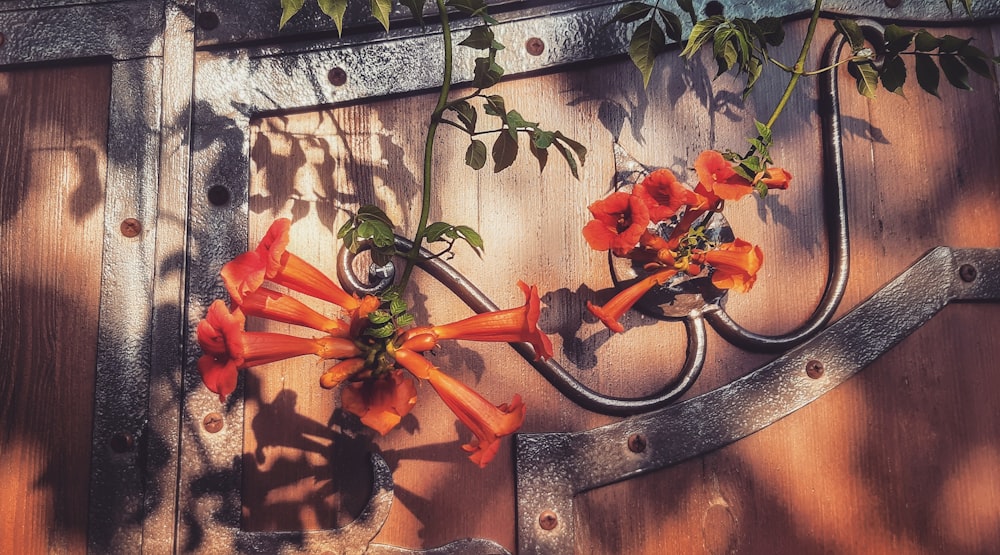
488	422
619	221
273	305
512	325
736	265
341	371
271	260
663	195
227	348
717	175
623	301
381	403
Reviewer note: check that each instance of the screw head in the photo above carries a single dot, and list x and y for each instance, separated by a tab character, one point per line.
535	46
814	369
131	227
213	422
893	3
548	520
967	272
637	443
337	76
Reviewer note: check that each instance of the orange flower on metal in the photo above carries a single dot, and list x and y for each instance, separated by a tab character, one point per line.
619	221
717	176
663	195
735	265
511	326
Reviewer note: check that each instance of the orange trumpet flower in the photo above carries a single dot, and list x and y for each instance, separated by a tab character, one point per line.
380	403
512	326
664	195
273	305
736	264
619	221
270	260
623	301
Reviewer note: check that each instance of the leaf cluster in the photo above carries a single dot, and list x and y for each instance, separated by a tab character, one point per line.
755	162
487	73
738	44
373	225
955	56
649	38
447	233
392	315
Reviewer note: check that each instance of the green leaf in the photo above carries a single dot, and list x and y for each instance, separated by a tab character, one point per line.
867	78
671	24
951	43
542	139
436	230
372	212
955	71
466	114
345	229
290	8
504	152
579	149
495	106
381	10
405	319
852	31
416	9
897	39
379	316
480	38
471	236
475	155
647	41
567	154
925	42
633	11
701	33
763	131
724	49
382	235
540	154
381	332
893	75
927	74
397	306
687	6
335	9
486	73
977	60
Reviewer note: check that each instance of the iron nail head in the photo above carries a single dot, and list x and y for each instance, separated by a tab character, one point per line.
967	272
213	422
131	227
548	520
535	46
337	76
814	369
637	443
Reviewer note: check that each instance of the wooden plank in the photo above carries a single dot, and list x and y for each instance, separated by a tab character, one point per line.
52	160
765	491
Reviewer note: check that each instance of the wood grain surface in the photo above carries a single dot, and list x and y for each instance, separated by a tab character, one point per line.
53	131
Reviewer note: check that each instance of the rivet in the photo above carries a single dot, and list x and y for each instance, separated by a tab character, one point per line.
337	76
814	369
713	8
131	227
121	442
535	46
548	520
213	422
207	20
967	272
893	3
637	443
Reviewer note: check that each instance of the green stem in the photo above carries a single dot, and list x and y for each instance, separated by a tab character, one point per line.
799	65
436	116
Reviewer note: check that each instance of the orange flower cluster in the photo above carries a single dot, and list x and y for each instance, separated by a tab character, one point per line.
375	374
625	224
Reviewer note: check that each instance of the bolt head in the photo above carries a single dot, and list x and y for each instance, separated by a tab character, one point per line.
535	46
337	76
548	520
213	422
131	227
637	443
815	369
967	272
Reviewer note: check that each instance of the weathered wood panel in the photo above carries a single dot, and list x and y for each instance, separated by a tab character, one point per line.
53	131
902	458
